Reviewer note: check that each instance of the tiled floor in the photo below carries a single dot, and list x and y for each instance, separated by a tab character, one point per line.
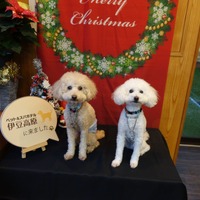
188	166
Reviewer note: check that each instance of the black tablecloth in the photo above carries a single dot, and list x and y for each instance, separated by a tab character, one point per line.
46	175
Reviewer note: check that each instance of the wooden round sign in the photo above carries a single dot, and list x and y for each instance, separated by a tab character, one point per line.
28	121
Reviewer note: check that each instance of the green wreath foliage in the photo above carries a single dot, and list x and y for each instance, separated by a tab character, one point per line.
128	61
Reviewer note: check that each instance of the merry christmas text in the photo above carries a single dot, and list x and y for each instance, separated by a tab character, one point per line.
119	3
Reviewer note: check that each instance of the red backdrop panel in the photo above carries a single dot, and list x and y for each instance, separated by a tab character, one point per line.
108	29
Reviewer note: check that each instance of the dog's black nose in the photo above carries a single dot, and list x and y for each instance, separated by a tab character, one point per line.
74	97
136	99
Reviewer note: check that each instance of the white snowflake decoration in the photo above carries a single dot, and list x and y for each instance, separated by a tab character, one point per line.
103	64
64	45
52	4
47	20
142	48
77	58
159	12
89	70
130	67
154	36
66	58
119	69
122	60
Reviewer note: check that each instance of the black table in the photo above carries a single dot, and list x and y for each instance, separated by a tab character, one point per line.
45	175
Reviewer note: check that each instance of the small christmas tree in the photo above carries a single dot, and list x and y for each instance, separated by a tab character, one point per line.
42	88
40	85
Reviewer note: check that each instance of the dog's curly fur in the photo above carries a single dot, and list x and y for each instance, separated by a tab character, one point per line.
132	132
77	89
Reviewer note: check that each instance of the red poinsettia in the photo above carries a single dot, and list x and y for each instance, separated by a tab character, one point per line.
19	12
15	27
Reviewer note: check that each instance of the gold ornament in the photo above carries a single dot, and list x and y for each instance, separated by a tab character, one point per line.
48	34
157	3
146	38
161	33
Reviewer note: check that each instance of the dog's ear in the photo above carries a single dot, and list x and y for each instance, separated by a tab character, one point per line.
119	95
56	90
90	89
152	95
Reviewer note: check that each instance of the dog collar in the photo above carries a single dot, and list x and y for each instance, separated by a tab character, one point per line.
74	107
133	112
132	118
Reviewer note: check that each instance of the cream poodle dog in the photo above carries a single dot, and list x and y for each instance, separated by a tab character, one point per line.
77	89
132	132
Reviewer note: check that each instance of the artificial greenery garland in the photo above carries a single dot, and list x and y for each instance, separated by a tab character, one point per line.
154	34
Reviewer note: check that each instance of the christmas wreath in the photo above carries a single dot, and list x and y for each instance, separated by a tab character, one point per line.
157	25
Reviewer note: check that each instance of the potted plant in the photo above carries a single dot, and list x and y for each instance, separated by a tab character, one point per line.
15	31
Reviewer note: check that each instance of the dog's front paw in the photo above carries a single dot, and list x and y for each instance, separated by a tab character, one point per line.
116	163
68	156
82	157
133	164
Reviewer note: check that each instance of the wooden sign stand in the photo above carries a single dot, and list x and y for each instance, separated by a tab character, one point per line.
33	148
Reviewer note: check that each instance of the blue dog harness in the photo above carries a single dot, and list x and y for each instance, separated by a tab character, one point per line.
93	128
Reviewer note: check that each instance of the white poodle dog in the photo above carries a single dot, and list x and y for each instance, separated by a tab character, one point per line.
132	132
77	89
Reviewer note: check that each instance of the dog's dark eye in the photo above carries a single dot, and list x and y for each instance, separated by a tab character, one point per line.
69	87
141	91
131	91
80	88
